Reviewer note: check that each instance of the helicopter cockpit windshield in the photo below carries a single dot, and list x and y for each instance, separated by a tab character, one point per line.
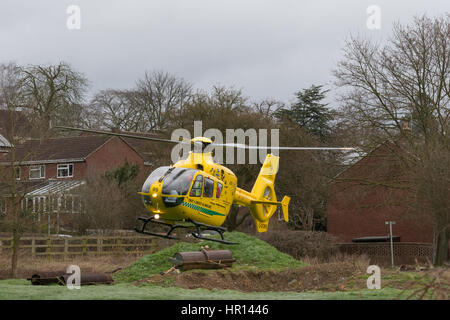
155	175
177	183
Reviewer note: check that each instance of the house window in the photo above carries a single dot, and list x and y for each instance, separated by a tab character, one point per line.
17	173
37	172
65	170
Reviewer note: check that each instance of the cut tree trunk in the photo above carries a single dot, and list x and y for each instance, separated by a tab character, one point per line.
15	253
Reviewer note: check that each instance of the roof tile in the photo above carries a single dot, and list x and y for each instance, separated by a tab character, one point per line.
59	148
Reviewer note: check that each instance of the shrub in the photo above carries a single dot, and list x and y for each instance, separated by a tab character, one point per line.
300	244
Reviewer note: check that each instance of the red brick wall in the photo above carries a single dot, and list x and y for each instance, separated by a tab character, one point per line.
360	209
111	155
347	220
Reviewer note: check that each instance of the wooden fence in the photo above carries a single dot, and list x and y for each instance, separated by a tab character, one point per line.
90	245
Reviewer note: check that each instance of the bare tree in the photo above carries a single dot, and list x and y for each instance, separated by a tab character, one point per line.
15	219
268	107
406	79
230	103
117	109
53	94
160	98
153	105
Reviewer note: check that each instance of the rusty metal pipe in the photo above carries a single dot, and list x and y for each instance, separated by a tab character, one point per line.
44	278
90	278
204	259
61	277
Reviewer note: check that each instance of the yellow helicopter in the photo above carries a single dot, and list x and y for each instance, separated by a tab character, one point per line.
201	192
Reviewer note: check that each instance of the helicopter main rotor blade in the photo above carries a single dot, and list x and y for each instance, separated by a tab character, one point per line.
243	146
124	135
198	143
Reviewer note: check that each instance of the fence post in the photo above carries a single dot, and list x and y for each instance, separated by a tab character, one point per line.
119	245
84	246
48	249
66	247
155	244
100	245
11	245
33	247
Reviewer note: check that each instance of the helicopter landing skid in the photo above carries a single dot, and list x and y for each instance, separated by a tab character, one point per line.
199	227
153	220
205	227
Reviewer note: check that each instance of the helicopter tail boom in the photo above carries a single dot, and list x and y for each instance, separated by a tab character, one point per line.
262	200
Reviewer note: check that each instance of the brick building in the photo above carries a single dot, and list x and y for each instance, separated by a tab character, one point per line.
72	158
368	194
49	172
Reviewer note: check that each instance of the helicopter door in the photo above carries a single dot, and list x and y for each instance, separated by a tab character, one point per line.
209	188
197	186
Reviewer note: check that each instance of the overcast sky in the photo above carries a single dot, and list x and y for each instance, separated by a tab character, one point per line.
269	48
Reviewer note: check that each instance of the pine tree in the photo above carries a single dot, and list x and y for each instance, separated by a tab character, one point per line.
309	112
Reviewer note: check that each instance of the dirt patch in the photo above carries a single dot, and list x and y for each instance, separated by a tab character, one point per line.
330	277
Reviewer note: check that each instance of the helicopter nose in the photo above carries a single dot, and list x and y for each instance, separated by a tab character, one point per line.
151	198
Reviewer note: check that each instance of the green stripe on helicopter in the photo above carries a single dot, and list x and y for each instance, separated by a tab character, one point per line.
201	209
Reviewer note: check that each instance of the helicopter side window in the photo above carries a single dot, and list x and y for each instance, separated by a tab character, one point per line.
197	187
209	188
218	189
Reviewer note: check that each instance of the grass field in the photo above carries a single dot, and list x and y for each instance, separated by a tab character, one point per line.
22	290
260	273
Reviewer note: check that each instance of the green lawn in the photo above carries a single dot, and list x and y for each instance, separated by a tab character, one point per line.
250	254
23	290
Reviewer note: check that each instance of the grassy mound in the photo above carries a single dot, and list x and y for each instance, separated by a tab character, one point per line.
250	253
